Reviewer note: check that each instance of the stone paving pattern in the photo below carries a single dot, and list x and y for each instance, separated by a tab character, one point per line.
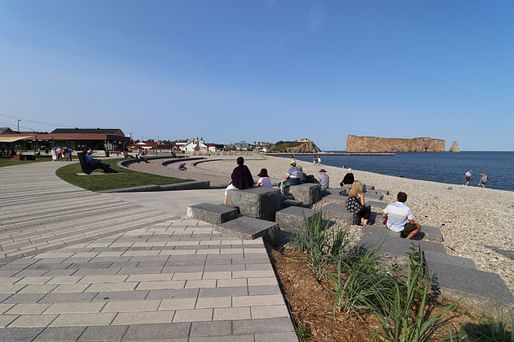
176	279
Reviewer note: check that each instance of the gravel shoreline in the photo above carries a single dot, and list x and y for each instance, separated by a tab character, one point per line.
471	219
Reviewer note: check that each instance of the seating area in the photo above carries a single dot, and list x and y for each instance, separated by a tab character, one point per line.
267	213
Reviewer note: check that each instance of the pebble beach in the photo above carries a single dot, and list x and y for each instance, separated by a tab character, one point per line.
474	221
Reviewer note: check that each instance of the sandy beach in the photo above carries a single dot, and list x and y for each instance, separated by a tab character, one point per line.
471	219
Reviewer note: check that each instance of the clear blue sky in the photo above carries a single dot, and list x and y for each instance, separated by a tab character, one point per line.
232	70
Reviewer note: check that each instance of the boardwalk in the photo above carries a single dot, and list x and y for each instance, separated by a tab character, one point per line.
81	266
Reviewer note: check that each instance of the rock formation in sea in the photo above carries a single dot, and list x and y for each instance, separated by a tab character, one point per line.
356	143
300	146
455	147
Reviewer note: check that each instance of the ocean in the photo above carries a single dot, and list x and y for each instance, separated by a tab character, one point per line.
441	167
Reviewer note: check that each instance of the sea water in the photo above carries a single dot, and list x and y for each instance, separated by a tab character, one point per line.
441	167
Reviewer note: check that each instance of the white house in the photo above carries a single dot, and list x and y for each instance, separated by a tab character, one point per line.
195	145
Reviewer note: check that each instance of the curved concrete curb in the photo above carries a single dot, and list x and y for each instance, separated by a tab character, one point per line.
193	185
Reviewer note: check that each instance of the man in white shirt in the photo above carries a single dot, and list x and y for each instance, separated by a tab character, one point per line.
399	218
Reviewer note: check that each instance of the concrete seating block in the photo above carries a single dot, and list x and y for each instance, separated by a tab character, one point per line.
212	213
248	228
376	206
261	203
339	212
381	191
347	187
308	193
293	218
432	233
288	202
374	196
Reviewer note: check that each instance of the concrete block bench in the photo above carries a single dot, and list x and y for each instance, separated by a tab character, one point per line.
293	218
307	193
260	203
212	213
248	228
432	233
338	211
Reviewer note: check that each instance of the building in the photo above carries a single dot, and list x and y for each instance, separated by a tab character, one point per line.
195	145
76	138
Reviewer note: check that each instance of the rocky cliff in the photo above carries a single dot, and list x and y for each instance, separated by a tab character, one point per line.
455	147
295	147
375	144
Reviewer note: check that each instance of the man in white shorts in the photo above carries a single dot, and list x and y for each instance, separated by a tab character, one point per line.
399	218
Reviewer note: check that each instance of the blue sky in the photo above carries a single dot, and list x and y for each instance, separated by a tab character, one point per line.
262	70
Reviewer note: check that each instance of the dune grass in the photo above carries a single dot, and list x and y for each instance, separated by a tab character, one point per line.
98	181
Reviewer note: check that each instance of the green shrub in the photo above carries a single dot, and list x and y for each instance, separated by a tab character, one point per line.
361	284
322	245
411	317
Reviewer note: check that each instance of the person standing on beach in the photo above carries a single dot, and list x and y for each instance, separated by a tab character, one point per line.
483	179
399	218
469	177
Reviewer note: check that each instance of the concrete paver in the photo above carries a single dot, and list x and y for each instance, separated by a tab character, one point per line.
138	271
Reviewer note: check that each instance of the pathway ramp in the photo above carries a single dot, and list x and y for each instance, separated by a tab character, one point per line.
71	272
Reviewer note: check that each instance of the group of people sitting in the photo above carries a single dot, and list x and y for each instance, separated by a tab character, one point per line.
397	216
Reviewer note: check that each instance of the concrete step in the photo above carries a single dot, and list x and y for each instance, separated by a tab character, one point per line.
471	281
248	228
212	213
334	211
379	237
432	233
52	229
58	214
293	218
42	200
87	234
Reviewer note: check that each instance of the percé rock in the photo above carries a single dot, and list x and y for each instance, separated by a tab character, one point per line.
455	147
301	146
376	144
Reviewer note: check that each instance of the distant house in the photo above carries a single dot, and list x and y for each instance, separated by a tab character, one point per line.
195	145
215	147
242	146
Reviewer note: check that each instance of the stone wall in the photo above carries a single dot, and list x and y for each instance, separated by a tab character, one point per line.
375	144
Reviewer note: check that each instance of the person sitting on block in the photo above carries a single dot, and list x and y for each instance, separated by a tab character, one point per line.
399	218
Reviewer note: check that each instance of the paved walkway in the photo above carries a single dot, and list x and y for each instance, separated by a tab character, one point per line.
138	273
